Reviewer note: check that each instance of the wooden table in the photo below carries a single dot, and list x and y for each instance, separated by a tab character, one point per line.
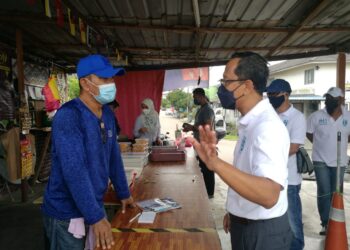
190	227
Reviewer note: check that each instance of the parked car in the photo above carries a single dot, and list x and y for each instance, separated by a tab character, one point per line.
220	127
171	112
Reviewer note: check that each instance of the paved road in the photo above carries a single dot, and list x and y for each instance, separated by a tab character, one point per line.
313	241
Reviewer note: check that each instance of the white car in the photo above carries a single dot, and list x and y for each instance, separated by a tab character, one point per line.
220	127
169	112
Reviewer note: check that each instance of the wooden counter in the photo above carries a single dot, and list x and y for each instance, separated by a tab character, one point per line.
190	227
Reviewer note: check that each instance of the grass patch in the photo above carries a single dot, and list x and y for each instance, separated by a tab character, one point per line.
231	137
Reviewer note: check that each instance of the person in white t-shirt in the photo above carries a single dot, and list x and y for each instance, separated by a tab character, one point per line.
322	128
278	93
257	195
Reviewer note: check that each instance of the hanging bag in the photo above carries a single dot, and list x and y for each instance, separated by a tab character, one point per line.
304	163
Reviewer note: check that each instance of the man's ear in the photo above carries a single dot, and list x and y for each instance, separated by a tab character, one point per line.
84	84
249	86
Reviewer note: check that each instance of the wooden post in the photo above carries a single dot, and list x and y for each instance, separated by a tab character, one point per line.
20	73
20	78
341	64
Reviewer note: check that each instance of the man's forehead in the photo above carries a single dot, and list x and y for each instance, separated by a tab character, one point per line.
328	96
231	66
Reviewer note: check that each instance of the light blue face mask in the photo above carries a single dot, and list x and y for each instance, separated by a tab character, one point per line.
107	91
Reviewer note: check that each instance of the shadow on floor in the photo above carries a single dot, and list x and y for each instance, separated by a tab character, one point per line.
21	227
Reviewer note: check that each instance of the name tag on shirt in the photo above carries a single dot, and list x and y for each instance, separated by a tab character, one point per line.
241	147
345	122
110	133
322	121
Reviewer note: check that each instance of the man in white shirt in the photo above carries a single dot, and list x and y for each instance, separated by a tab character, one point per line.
278	92
322	128
257	196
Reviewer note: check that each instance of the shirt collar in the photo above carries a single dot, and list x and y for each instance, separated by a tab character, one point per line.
254	112
343	110
288	111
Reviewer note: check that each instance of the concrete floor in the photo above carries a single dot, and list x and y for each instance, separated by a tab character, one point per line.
313	241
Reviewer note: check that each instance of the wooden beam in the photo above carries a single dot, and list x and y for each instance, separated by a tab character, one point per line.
190	29
19	62
320	6
20	78
155	50
325	29
341	65
25	18
330	51
166	57
58	46
217	62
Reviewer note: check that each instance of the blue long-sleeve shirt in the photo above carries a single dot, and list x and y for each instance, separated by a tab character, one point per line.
82	162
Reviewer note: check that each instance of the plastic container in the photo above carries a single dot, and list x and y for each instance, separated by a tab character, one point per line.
125	147
134	162
141	141
167	154
140	148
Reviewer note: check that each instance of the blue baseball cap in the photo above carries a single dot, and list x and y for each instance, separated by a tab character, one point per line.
279	85
97	65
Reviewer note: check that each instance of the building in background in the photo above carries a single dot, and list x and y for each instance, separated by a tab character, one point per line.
310	78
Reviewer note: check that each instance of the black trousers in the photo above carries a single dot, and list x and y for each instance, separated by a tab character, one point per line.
209	177
260	234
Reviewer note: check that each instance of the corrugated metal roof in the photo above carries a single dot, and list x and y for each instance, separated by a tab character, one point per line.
163	33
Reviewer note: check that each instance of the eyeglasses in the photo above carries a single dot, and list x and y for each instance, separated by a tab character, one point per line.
225	82
103	132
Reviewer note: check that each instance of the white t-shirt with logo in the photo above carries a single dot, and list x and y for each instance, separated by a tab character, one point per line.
324	129
296	126
262	150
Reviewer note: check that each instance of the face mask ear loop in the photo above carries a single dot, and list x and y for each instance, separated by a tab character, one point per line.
233	91
92	83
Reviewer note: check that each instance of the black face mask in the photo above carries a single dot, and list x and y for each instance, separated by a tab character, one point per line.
276	101
331	105
227	98
196	102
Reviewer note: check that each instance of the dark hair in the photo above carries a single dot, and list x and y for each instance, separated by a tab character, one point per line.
252	66
198	91
114	104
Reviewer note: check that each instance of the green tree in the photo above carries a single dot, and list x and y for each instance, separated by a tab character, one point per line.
211	92
73	86
180	99
165	103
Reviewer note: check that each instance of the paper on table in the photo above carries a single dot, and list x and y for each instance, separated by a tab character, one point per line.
147	217
158	205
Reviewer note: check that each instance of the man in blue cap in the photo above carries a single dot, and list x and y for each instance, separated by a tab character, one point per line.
278	93
85	154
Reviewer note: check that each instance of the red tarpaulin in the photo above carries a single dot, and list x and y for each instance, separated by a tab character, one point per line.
132	89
